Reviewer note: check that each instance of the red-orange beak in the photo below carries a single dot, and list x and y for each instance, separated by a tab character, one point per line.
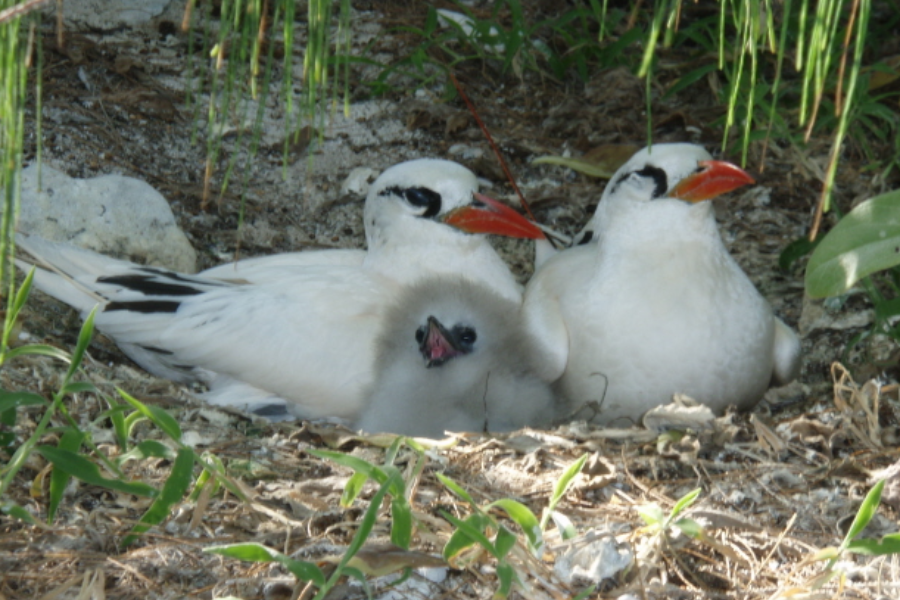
486	215
714	179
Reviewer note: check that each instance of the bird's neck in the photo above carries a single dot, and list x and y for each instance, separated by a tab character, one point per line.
410	254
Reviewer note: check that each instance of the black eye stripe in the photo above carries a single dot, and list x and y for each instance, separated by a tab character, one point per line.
420	197
659	177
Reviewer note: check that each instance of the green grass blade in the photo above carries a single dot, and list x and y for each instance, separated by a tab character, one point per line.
504	542
401	522
357	464
562	486
684	502
468	532
865	513
71	441
177	483
507	575
362	534
521	514
147	449
83	469
78	387
14	510
116	415
39	350
352	488
155	414
84	339
252	552
455	488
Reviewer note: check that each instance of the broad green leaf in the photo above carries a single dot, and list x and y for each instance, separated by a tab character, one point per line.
172	492
147	449
70	440
684	502
157	415
468	532
504	542
652	515
13	400
566	528
251	552
14	510
80	467
866	240
889	544
352	488
521	514
507	575
690	527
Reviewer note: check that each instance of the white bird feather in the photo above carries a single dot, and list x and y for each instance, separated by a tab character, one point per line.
650	303
299	327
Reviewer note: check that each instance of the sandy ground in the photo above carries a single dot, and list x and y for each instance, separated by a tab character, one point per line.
777	484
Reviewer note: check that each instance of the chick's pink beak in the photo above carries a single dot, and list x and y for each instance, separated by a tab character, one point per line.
714	178
486	215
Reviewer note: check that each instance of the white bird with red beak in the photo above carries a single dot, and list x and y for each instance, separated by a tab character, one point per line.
649	303
453	356
298	327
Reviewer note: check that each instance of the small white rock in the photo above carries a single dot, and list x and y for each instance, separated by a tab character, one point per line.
357	182
110	214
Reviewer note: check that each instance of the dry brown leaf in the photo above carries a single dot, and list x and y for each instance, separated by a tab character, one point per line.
381	559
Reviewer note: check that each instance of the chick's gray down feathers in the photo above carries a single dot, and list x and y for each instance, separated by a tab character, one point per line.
491	387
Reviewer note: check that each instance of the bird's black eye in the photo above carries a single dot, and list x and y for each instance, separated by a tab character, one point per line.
466	335
419	197
420	335
424	198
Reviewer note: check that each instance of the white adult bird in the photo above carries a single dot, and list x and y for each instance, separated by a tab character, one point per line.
650	303
297	327
453	356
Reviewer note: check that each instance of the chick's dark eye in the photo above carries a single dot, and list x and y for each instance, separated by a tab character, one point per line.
425	198
467	336
420	335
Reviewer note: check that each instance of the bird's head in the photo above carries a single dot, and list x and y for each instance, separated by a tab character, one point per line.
666	171
439	343
440	192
